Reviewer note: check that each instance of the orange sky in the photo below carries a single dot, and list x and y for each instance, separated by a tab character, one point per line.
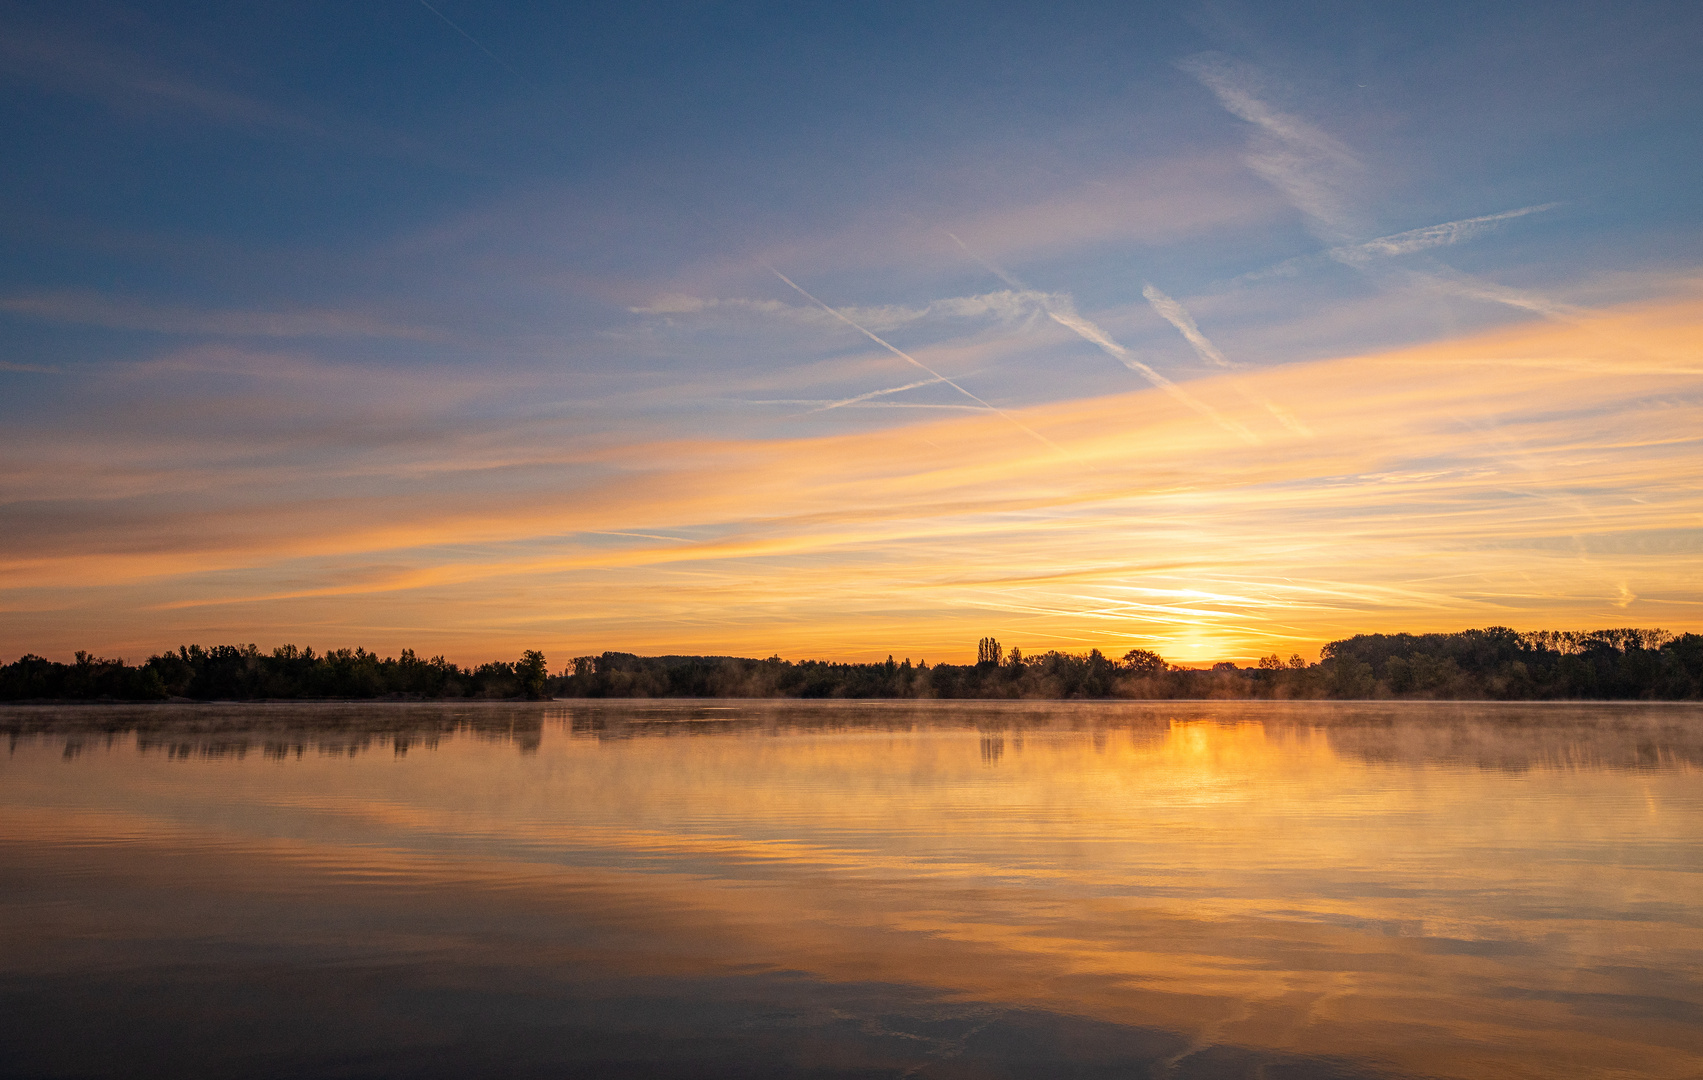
1540	475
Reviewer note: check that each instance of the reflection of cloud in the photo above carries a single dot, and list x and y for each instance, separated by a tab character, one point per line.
1445	485
93	309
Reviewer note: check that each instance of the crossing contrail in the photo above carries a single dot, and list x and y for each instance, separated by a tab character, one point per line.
1066	316
908	358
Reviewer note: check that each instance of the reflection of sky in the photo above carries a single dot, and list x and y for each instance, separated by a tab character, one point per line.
1199	328
1447	892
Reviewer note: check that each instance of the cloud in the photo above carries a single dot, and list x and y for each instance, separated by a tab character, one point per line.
1322	178
1432	236
1450	484
908	358
1010	305
1175	314
1403	243
863	398
1317	173
1445	279
128	83
1070	320
120	313
1062	310
1066	316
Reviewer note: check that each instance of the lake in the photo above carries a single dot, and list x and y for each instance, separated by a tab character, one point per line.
958	889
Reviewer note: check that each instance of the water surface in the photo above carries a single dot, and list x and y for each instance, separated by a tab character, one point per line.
872	890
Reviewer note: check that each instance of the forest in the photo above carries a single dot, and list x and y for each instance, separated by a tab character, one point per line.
1495	663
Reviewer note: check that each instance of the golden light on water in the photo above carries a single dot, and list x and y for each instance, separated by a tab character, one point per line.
1456	896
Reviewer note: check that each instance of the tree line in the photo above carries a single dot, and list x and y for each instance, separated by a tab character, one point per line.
1495	663
245	673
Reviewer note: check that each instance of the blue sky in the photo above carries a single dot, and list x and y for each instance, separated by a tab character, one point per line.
298	303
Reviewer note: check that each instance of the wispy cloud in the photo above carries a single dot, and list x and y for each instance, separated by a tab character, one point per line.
1061	310
1406	511
1315	172
873	394
1174	313
908	358
1178	316
1434	236
1089	332
1322	178
1007	305
128	82
1359	255
1447	280
123	313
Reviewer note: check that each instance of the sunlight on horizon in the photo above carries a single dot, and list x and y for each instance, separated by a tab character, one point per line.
1536	476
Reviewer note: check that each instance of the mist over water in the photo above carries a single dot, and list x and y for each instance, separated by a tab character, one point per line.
958	889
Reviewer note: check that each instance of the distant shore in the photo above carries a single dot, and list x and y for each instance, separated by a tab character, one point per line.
1492	664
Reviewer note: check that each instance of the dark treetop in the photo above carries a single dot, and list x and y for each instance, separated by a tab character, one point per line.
1494	663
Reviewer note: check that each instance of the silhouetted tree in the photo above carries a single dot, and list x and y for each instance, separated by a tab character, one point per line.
1143	662
532	673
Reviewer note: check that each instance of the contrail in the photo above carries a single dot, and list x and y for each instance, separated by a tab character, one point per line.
986	265
1403	243
1310	167
908	358
1178	316
1070	320
1316	173
476	42
1463	284
876	394
1449	232
1089	332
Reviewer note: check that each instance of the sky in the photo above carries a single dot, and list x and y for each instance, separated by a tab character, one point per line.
840	331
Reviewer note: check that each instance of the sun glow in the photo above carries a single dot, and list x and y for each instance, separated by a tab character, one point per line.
1539	475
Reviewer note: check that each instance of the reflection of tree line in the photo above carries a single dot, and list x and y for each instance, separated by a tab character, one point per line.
1498	741
1487	736
279	732
1493	664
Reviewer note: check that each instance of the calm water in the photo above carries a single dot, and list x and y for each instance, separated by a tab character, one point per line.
963	890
